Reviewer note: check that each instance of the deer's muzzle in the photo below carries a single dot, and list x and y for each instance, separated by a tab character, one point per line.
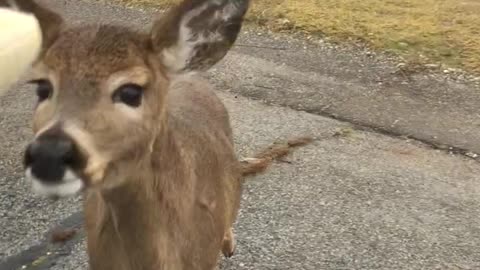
51	161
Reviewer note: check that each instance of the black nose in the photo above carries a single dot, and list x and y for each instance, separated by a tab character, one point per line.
49	156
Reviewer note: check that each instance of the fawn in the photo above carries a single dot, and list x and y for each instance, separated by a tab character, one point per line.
123	119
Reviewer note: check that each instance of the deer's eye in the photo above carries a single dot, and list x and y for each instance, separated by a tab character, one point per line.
44	89
129	94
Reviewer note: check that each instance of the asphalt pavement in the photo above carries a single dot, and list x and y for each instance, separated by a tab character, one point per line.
359	197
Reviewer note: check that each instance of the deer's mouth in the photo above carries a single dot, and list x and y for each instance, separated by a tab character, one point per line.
70	184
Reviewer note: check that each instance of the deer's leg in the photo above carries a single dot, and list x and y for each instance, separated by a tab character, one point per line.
229	244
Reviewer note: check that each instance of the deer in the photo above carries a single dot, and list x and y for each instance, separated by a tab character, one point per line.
125	118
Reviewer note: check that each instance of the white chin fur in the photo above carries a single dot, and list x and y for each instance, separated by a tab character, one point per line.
69	186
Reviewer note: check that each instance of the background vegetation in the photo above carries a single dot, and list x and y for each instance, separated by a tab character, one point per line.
422	31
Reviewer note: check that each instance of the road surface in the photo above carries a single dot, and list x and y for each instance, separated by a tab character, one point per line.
360	197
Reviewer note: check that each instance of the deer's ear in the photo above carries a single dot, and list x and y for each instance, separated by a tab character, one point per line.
196	34
50	22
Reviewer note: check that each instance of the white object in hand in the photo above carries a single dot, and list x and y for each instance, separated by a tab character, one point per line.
20	44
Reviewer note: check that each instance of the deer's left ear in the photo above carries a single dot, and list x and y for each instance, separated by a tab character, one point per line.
196	34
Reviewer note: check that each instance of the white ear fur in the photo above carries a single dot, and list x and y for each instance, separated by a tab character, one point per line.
189	41
176	57
20	43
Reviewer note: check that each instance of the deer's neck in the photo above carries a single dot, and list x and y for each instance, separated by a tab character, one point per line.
140	216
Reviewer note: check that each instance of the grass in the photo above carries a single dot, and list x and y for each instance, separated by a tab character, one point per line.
426	31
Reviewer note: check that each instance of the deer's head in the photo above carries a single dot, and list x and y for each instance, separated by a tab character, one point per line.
101	89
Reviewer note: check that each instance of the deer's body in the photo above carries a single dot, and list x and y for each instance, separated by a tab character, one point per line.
190	190
122	118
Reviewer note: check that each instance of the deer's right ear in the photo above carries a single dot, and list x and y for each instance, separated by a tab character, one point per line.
50	22
196	34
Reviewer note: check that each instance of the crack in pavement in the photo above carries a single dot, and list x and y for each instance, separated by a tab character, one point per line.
359	125
43	256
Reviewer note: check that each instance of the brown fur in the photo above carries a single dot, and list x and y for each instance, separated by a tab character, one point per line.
162	192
